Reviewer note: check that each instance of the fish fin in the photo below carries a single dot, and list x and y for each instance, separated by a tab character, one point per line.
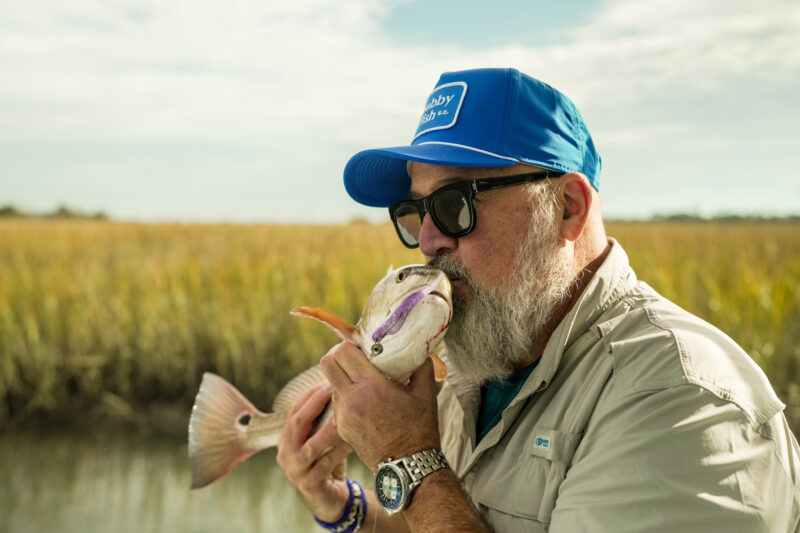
215	435
296	387
439	368
343	329
389	270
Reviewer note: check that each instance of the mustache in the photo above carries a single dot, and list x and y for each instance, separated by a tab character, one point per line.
451	266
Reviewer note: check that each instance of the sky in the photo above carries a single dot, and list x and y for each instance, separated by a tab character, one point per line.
248	110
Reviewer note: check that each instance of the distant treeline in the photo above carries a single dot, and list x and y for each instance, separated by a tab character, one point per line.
722	217
61	212
65	212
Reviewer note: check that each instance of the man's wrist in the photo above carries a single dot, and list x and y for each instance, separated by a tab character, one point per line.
440	504
440	477
396	480
332	514
405	449
354	513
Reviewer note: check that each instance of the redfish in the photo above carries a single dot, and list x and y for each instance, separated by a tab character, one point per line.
405	319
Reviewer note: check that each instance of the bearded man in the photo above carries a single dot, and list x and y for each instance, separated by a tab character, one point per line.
579	399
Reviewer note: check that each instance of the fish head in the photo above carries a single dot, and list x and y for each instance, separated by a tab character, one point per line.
405	319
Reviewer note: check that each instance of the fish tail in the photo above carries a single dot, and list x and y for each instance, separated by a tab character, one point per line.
218	430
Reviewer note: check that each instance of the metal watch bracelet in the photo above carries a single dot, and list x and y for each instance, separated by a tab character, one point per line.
420	464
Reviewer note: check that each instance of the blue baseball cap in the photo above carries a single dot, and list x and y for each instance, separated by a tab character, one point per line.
480	118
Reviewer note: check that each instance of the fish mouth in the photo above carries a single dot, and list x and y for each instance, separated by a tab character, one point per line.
452	277
440	295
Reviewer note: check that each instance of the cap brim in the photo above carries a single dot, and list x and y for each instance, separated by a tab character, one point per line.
378	177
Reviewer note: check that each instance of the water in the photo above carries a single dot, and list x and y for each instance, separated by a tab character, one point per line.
113	482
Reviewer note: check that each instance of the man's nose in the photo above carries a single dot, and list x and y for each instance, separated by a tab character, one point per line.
432	241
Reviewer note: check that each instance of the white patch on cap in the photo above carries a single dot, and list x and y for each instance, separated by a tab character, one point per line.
442	108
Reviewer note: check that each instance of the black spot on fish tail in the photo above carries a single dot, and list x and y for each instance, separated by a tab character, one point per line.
244	420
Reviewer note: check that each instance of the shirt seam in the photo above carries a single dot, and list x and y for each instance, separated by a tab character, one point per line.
721	392
786	474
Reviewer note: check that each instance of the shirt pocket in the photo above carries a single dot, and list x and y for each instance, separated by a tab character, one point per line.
523	481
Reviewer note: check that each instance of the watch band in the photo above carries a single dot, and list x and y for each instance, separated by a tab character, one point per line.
420	464
395	480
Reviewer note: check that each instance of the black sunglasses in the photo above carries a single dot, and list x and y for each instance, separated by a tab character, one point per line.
451	207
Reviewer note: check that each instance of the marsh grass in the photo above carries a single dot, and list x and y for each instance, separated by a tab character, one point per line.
114	319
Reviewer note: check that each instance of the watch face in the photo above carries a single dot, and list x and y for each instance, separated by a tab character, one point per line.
389	488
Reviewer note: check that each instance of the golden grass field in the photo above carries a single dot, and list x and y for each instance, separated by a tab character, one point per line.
110	318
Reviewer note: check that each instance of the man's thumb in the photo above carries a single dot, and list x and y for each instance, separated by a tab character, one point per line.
422	382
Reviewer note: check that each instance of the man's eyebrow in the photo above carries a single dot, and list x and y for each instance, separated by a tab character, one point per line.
413	195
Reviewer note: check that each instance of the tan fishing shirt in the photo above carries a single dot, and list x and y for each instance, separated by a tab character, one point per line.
639	417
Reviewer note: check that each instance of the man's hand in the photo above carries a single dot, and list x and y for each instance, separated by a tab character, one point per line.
376	416
316	466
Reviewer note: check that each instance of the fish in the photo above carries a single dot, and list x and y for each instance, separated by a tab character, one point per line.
403	323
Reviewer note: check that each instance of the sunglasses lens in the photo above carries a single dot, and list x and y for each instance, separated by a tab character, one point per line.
452	211
408	223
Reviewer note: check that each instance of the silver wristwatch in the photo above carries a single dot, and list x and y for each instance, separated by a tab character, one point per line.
396	480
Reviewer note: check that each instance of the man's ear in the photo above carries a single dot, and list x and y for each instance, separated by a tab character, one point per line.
576	192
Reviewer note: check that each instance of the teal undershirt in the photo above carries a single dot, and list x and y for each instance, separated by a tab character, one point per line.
495	397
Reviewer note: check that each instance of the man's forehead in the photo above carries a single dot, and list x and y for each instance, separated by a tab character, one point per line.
427	178
425	181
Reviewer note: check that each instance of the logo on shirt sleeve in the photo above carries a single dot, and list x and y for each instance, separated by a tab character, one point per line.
442	107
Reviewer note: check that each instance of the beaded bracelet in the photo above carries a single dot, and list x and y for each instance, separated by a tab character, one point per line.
360	503
354	512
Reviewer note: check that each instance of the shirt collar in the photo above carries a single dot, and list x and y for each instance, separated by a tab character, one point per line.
612	280
609	284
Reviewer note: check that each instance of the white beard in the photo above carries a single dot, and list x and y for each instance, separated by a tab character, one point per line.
492	333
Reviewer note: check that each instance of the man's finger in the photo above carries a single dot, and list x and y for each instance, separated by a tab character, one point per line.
329	462
333	370
355	364
301	401
302	415
318	445
423	382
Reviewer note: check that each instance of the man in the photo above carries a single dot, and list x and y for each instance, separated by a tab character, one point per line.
578	398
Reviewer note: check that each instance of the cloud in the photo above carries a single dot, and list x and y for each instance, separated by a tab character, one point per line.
697	46
304	84
210	69
179	69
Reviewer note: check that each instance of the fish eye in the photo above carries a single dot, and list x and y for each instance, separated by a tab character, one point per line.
377	349
401	276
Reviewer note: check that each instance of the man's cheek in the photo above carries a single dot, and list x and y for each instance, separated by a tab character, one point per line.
462	295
